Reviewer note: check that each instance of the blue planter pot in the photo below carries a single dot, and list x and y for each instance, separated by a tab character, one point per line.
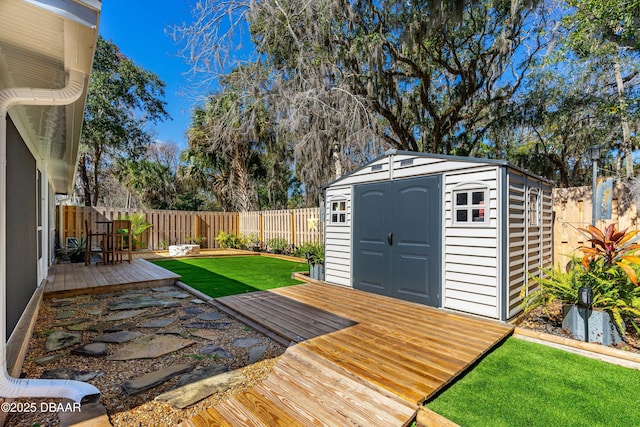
316	271
601	329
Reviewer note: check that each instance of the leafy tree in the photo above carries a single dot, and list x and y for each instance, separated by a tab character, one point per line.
122	99
233	150
610	30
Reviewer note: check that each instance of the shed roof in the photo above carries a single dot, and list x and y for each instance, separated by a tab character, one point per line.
394	152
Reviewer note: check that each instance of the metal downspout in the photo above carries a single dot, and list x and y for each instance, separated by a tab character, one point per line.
14	387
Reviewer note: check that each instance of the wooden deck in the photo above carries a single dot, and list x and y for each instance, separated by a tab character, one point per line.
70	279
357	358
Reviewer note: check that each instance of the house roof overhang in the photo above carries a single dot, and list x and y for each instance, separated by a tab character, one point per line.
40	41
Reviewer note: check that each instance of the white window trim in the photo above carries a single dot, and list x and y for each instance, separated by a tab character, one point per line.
470	187
338	212
538	207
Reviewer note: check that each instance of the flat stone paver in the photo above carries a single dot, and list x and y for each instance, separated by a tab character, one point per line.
192	310
70	374
153	379
200	374
189	394
118	337
128	314
245	342
48	359
212	315
158	323
70	322
65	314
208	325
142	302
207	334
256	353
59	340
174	294
150	346
215	351
120	327
94	349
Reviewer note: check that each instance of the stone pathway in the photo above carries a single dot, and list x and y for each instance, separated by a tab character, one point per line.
146	324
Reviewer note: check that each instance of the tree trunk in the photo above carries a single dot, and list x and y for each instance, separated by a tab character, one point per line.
626	134
84	176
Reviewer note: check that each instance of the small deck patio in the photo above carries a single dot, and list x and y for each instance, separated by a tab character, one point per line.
71	279
356	358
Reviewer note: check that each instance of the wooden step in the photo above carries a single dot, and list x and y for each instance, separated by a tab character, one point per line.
305	389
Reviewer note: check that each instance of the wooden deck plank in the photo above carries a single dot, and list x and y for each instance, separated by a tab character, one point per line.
347	391
302	321
454	328
73	278
359	350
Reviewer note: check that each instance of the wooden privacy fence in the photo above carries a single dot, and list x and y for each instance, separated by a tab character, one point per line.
572	210
297	226
168	227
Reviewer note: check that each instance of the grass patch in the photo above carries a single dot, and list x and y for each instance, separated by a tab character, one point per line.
527	384
219	277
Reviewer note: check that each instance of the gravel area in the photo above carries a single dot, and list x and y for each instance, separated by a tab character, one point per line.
549	320
141	409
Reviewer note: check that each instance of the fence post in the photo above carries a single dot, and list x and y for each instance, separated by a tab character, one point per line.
292	220
260	226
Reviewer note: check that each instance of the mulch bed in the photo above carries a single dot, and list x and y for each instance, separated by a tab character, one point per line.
549	320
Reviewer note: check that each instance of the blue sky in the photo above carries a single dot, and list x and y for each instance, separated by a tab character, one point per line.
138	27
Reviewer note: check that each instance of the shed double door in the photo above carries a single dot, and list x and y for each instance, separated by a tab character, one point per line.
396	238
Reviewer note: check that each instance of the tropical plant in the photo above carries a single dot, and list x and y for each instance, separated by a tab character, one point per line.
277	245
139	225
75	252
608	268
313	252
230	240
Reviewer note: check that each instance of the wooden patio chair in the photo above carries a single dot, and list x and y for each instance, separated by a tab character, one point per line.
122	239
94	243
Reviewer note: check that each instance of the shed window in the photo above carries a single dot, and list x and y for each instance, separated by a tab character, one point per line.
533	208
470	206
339	212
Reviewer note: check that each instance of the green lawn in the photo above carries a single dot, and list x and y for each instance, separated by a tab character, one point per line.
219	277
526	384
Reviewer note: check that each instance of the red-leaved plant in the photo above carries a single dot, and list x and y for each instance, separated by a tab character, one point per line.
613	247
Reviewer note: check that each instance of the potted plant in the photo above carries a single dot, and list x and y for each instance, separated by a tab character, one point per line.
139	225
608	272
314	253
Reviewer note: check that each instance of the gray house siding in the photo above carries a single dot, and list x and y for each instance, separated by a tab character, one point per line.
22	256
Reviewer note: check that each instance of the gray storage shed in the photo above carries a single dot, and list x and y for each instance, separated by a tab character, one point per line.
453	232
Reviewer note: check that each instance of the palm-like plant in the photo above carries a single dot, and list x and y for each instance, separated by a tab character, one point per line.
613	247
608	268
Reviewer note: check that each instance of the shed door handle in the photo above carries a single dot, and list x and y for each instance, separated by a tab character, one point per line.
390	238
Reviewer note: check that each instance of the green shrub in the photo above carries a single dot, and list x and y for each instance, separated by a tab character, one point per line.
313	252
277	245
231	241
